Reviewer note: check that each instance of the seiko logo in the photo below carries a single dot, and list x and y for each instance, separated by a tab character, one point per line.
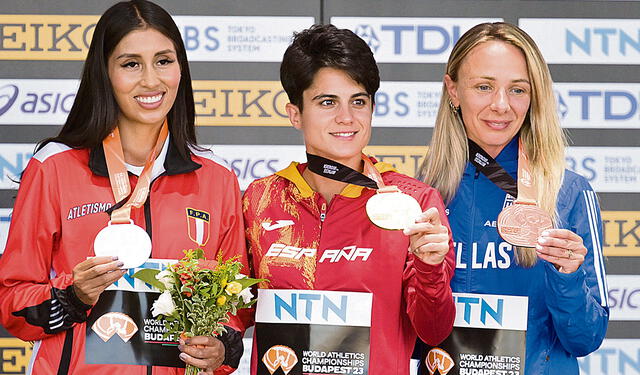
348	253
115	323
280	356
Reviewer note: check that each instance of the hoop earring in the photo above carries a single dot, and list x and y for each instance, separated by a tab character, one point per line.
453	108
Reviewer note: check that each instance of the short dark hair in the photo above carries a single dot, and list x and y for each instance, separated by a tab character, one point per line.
94	113
326	46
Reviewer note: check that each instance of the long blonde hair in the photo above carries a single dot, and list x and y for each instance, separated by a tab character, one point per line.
543	138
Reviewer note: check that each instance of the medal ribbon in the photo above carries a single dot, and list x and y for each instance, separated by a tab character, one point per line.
119	177
523	189
370	178
489	167
527	192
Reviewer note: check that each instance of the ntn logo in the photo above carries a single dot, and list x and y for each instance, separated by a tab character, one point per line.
602	39
309	304
612	359
14	167
478	308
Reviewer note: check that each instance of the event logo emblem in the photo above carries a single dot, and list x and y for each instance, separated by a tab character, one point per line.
368	35
198	224
440	361
115	323
8	95
562	108
279	356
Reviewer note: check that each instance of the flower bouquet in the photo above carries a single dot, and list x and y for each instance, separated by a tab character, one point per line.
198	294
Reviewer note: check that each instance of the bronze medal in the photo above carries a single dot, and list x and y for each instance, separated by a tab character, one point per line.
521	224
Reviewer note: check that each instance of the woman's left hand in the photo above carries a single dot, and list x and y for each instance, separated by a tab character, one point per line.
563	248
428	238
205	352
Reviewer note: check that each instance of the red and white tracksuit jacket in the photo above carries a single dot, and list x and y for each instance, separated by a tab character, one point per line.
409	296
63	202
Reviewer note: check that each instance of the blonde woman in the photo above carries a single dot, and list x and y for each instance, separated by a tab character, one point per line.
497	93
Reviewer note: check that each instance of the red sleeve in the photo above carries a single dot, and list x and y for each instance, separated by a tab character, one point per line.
427	289
34	301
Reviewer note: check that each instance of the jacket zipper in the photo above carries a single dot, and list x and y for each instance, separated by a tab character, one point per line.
473	225
323	212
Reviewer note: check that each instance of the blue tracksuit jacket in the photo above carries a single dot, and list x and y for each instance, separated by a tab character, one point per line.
568	313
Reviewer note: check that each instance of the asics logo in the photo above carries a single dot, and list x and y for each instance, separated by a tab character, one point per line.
115	323
277	225
279	356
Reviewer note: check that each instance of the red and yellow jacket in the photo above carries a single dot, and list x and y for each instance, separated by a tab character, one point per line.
409	296
64	200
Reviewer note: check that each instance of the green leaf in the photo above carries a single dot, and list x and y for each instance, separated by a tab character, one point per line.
199	253
247	282
210	302
149	276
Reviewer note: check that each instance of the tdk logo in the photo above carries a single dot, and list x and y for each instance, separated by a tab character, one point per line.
368	35
480	309
598	105
409	40
562	106
8	95
305	304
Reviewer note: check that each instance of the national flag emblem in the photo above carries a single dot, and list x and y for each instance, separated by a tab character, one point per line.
198	224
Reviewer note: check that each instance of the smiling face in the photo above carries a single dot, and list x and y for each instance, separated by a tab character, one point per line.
336	120
145	75
493	92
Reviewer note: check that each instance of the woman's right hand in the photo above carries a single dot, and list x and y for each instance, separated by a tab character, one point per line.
94	275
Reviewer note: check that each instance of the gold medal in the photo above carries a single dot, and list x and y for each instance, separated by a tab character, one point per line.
392	209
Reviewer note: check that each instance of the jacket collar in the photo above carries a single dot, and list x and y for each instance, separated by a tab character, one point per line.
508	154
510	151
294	171
173	162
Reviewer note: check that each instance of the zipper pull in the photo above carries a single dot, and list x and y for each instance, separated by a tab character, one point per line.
477	174
323	211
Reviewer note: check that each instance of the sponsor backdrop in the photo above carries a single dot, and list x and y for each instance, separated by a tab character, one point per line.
235	47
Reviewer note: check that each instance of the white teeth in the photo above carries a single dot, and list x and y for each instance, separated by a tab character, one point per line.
149	99
349	134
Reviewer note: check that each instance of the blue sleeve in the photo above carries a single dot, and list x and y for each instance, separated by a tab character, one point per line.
578	301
